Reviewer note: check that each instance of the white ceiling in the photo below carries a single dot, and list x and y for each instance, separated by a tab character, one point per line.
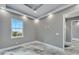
34	6
41	9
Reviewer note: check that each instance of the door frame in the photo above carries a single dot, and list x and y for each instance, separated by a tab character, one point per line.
71	30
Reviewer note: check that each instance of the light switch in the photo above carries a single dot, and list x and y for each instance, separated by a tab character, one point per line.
57	33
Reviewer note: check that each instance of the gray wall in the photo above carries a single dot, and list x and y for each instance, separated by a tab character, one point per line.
68	13
47	29
68	30
75	30
72	31
5	30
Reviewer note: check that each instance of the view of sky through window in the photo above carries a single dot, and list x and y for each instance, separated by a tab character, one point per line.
17	25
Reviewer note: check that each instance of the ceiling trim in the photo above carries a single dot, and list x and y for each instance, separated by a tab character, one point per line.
32	8
57	10
14	11
38	7
70	14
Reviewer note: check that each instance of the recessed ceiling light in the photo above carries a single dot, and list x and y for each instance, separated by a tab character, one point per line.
50	16
78	23
36	21
24	17
35	11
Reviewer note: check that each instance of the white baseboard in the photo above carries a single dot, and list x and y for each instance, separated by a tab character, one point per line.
3	49
68	43
48	45
52	46
76	39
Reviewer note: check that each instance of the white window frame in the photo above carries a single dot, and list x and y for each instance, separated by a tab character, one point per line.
12	28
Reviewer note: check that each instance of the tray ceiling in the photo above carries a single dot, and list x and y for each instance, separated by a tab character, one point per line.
36	10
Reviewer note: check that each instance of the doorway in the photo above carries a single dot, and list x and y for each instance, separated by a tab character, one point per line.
75	30
72	35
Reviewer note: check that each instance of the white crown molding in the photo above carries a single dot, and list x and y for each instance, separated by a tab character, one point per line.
57	10
14	11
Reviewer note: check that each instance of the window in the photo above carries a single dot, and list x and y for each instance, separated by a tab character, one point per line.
16	28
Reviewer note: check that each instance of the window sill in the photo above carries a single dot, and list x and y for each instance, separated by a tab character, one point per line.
17	37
